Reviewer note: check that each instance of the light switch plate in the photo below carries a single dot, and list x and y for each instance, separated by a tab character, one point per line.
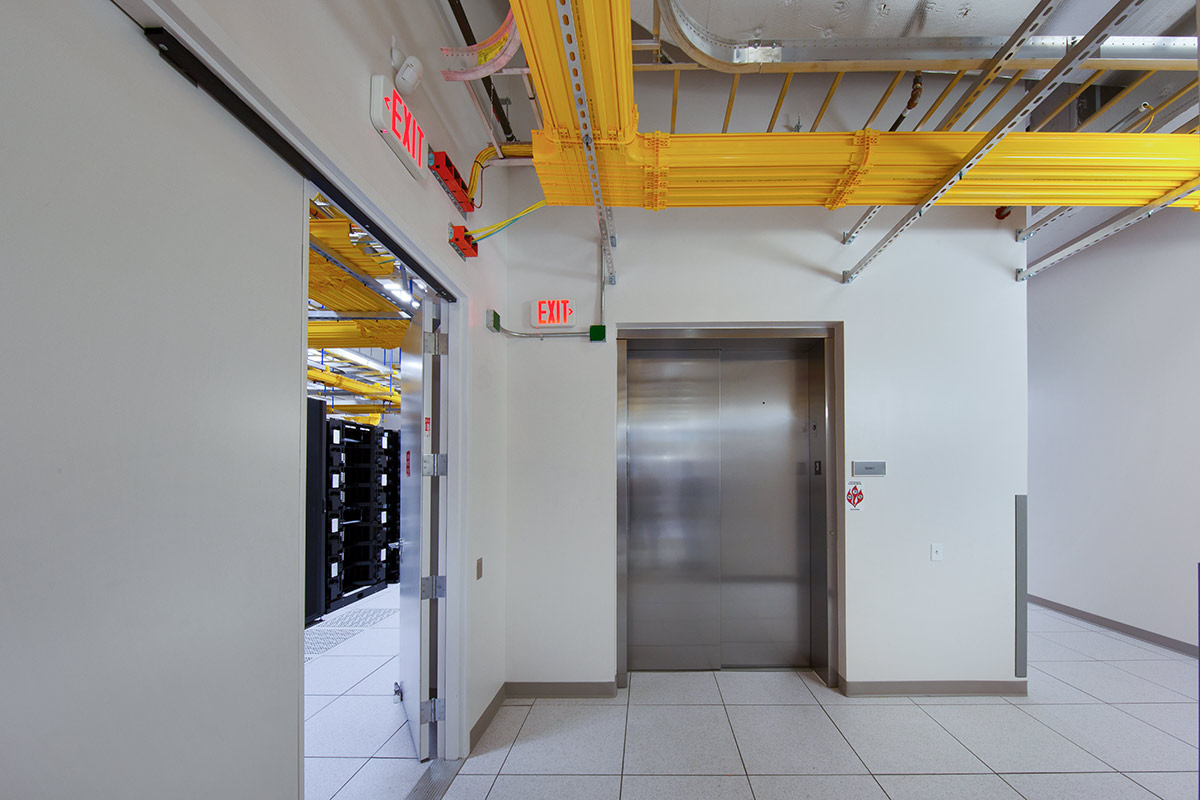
935	552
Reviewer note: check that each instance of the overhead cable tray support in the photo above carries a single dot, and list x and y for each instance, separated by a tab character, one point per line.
570	42
659	170
1083	50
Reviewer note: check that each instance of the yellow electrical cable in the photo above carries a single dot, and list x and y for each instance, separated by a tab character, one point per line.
1149	122
484	232
487	154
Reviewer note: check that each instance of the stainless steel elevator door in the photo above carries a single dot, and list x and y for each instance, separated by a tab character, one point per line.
718	570
764	510
674	510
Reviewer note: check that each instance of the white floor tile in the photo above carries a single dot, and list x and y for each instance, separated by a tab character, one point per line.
1040	649
1109	786
1009	740
1045	689
1110	684
335	674
791	740
352	727
469	787
673	688
1181	720
763	688
965	700
381	682
1170	785
323	777
387	598
817	787
946	787
556	787
371	642
315	702
383	778
706	787
1124	743
902	739
680	740
401	745
1177	675
1100	646
489	754
569	740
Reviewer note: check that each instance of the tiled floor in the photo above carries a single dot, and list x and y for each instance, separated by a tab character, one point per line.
357	745
1107	716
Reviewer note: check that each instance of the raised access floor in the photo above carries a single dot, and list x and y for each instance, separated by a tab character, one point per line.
1107	716
357	745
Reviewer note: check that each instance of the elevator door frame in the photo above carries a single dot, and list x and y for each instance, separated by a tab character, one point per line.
832	336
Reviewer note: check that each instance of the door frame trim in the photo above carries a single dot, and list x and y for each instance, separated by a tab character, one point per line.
834	335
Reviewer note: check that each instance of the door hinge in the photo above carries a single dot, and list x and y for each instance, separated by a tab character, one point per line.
433	587
436	344
435	465
433	710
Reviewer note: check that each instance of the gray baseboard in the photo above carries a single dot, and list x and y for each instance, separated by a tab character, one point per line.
1149	637
486	717
1017	688
563	689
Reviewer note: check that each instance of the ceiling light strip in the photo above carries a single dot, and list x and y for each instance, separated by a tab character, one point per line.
1083	50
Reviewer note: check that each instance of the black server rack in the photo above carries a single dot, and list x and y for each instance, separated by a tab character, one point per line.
354	551
314	515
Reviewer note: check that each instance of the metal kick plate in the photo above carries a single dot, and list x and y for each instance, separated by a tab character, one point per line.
868	468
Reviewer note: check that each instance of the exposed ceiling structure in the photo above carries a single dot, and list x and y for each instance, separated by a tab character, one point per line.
861	19
1000	69
360	297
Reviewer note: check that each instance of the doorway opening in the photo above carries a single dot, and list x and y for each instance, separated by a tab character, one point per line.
375	518
728	517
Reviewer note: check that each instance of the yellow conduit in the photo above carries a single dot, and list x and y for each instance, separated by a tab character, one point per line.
661	170
372	391
487	154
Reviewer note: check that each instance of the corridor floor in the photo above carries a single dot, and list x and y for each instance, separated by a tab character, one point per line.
1107	718
357	744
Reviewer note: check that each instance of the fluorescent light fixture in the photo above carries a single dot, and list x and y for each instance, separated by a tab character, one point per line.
358	358
416	303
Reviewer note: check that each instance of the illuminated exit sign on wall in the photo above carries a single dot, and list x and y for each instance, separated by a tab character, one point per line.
552	313
395	122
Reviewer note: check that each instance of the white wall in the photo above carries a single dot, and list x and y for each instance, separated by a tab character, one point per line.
935	383
151	428
315	63
1113	338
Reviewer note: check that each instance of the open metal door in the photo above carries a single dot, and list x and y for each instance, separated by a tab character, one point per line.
414	536
422	500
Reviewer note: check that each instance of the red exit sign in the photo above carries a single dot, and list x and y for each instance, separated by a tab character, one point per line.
552	313
395	122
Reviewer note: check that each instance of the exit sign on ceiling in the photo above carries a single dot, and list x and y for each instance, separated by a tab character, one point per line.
552	313
395	122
